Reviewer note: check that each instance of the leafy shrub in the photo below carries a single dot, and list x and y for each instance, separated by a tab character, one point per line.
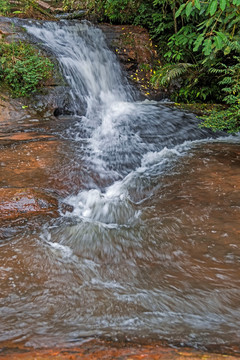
24	9
229	119
116	11
120	11
4	7
22	68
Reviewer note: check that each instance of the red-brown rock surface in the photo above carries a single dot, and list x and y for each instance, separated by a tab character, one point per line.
97	350
19	202
136	53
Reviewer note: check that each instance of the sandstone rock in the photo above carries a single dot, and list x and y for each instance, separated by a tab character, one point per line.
15	202
11	110
136	52
41	163
96	350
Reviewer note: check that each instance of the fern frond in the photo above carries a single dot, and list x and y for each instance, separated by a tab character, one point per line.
226	80
164	75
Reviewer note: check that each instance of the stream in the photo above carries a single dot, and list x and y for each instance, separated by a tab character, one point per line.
151	250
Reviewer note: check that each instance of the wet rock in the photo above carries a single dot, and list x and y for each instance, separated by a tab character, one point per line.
11	110
137	54
7	31
44	104
96	350
25	202
41	163
53	100
17	111
78	14
22	136
66	208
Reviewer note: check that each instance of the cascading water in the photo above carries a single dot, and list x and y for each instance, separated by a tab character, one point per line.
119	130
149	256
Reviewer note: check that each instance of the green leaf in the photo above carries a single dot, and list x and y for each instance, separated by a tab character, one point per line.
188	8
197	4
227	50
222	4
207	48
198	42
209	22
180	10
218	42
222	35
213	7
168	54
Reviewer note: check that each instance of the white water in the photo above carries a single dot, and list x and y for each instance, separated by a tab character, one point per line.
87	64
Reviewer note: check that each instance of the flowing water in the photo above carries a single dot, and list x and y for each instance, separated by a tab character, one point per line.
151	250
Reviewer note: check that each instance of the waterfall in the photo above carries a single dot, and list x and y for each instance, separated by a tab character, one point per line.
119	128
89	67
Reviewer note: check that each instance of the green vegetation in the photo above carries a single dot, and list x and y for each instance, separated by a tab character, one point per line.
199	42
22	69
24	9
228	119
4	7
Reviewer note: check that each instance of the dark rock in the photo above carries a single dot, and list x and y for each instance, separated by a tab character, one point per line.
66	208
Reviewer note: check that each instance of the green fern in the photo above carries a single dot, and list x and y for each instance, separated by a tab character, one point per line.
167	73
229	119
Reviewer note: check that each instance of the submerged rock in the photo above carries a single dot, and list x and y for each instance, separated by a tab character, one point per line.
25	202
33	160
